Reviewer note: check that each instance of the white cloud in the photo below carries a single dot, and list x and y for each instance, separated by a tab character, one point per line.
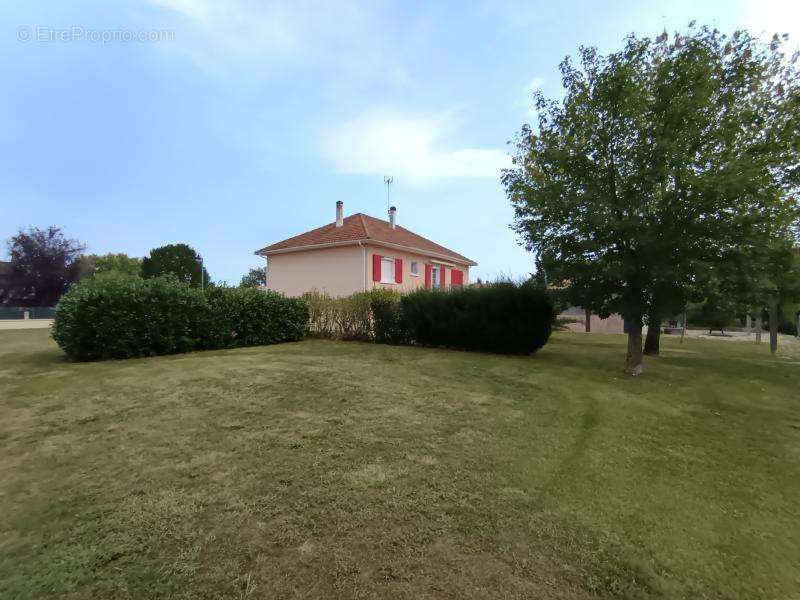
411	146
767	17
260	38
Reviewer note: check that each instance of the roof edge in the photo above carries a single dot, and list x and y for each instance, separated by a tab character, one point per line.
439	255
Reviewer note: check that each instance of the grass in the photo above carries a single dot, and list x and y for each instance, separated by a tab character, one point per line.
346	470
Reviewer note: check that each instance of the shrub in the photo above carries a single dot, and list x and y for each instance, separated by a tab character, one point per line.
388	324
123	317
252	317
502	317
346	318
715	313
128	317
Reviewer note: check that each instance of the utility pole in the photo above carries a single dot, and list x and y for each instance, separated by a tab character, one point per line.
388	180
202	283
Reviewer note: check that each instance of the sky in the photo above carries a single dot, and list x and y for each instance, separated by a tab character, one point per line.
232	125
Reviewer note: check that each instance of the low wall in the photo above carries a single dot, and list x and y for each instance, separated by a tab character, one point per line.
613	324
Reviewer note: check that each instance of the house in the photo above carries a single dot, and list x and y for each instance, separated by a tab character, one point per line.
358	253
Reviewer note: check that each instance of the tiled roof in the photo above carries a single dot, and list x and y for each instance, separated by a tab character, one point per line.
361	227
5	268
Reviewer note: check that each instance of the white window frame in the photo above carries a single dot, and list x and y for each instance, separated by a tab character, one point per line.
415	268
436	277
387	269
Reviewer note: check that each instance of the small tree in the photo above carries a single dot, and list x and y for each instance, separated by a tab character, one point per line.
114	265
715	313
44	264
180	260
255	277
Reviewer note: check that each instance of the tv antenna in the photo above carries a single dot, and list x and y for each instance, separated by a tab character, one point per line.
388	180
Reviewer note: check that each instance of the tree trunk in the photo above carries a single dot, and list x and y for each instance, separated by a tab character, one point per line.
633	362
683	329
759	327
773	326
588	320
652	342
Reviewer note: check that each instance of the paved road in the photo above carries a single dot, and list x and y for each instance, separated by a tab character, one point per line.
25	323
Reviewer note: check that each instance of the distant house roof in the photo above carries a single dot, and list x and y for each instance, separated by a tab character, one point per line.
363	228
5	268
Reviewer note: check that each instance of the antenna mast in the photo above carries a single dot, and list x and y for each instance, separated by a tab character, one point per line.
388	180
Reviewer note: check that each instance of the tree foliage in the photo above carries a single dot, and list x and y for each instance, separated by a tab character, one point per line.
255	277
179	260
44	264
662	161
114	265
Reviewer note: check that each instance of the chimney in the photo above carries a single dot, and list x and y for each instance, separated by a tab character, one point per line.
339	213
392	213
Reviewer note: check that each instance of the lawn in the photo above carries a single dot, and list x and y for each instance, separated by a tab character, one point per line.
344	470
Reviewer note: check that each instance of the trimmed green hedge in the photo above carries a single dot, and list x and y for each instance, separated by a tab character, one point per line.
252	317
505	318
124	317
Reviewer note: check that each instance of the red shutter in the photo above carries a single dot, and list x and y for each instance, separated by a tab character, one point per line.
442	280
428	276
376	267
457	277
398	270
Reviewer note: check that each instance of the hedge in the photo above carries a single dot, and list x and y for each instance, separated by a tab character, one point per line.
504	318
347	317
102	319
252	317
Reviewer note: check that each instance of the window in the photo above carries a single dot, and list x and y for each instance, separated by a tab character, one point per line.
436	277
415	268
387	270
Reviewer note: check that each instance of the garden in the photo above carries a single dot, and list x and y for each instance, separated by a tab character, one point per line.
329	469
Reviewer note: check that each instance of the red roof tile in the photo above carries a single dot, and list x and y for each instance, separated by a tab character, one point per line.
361	227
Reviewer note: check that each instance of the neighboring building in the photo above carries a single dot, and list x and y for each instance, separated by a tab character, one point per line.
5	277
358	253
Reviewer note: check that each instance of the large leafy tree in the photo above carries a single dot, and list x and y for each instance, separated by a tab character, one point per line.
180	260
255	277
660	159
44	264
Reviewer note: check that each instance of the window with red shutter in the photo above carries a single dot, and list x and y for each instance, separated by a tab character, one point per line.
376	267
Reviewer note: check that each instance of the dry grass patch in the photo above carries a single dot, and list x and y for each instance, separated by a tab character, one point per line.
347	470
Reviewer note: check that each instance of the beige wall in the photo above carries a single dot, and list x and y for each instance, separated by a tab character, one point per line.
335	271
340	271
410	282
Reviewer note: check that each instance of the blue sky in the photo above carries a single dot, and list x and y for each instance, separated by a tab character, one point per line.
237	124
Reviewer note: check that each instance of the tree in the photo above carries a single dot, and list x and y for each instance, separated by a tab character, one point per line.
43	265
114	265
714	313
779	287
655	164
180	260
255	277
